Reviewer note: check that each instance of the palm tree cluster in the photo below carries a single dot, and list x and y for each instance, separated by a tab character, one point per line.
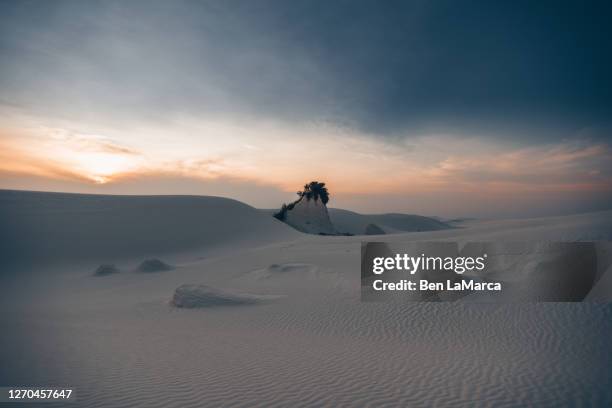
315	190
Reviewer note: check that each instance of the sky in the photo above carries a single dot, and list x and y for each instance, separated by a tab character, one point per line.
440	108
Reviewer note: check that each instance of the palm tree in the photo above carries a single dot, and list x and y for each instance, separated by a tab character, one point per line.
315	190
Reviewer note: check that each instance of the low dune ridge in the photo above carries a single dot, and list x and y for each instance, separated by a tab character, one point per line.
106	269
39	227
191	296
154	265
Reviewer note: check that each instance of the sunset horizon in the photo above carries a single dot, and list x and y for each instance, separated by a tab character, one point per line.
243	111
305	203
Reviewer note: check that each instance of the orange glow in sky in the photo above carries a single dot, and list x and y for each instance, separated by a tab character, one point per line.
283	159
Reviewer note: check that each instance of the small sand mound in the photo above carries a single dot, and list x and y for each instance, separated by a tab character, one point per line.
196	296
154	265
106	269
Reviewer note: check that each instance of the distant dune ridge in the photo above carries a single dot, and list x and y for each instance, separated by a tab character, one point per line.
357	224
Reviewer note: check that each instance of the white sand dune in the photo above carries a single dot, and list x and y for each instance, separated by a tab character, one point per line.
309	216
318	345
51	227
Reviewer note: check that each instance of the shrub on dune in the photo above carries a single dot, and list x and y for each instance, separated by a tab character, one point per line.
105	270
153	265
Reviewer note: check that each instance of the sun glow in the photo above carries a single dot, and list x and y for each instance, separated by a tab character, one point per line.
101	168
57	153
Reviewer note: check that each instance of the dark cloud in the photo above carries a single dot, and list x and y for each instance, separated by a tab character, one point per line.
535	68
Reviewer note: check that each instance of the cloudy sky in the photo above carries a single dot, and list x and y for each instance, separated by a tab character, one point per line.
434	107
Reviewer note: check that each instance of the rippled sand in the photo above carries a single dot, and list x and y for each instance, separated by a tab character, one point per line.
119	341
